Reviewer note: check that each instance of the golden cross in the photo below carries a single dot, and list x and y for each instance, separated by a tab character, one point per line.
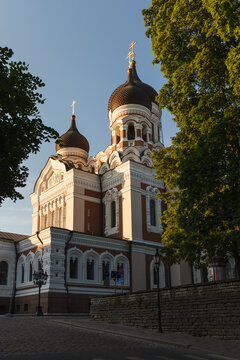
129	58
132	50
73	103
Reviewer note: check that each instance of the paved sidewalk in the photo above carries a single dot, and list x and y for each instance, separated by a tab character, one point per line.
225	349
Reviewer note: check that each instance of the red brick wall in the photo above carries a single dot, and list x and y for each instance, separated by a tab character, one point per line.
94	218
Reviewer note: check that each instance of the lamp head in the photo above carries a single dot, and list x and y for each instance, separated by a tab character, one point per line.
156	257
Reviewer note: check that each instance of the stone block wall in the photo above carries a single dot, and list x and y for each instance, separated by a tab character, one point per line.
211	309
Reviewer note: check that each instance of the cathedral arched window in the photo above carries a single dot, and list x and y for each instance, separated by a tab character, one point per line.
3	273
22	273
30	272
121	264
74	267
90	269
113	214
106	272
131	132
111	203
152	212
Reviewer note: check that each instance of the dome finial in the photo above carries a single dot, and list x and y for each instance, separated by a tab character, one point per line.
131	54
73	111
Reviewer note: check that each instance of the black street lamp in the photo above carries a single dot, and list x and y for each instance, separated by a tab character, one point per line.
157	259
39	278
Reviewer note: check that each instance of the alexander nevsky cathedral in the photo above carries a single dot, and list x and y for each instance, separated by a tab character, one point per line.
93	216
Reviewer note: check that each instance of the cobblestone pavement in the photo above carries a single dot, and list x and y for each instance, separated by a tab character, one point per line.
52	338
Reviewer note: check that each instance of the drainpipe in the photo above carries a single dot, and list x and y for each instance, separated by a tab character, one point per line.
101	207
37	233
130	263
65	265
12	300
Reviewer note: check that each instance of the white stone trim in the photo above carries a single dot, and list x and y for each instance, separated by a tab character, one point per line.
111	195
92	255
151	194
76	252
106	256
123	259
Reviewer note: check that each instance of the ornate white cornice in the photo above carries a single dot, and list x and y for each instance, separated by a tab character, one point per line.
127	110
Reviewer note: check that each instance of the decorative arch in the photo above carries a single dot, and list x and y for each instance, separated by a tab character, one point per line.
106	267
153	210
111	225
21	270
91	266
147	161
37	258
131	153
114	159
92	163
59	168
104	167
74	264
29	266
122	262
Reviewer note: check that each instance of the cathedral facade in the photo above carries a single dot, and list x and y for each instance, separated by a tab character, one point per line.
94	215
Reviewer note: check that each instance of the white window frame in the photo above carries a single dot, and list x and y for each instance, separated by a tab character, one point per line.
21	261
123	259
151	194
106	256
92	255
29	259
77	253
111	195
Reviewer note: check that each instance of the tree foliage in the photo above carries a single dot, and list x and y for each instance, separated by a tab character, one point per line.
21	129
197	44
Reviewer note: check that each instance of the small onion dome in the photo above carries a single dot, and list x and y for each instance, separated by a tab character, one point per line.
133	91
72	138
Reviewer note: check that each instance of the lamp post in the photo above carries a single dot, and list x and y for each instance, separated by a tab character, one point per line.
157	258
39	278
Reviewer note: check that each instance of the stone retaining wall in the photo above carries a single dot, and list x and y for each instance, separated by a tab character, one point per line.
211	309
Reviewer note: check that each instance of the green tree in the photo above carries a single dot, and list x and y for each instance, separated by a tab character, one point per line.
21	129
197	44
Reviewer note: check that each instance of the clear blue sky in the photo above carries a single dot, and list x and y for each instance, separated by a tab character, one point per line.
78	48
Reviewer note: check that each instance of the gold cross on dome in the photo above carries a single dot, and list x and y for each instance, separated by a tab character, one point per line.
129	58
131	53
73	103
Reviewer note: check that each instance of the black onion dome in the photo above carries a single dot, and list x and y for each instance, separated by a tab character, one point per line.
149	89
72	138
131	92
